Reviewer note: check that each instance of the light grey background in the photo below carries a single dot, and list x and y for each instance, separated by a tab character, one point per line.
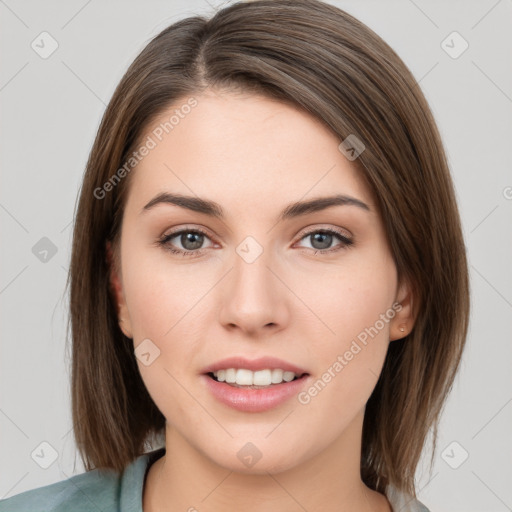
51	109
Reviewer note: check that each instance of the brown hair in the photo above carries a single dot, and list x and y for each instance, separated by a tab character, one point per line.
320	58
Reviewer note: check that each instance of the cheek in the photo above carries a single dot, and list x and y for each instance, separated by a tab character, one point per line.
163	300
160	294
348	299
349	355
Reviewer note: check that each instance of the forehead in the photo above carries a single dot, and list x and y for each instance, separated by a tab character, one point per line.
243	150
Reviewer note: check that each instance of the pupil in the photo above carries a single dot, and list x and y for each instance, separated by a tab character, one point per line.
325	240
195	240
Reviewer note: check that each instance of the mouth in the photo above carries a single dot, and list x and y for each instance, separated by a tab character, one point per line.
254	385
251	397
262	379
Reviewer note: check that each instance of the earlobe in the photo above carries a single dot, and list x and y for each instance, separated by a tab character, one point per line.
403	322
117	292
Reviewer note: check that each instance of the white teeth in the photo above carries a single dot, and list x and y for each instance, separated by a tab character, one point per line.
230	375
262	378
288	376
243	377
277	376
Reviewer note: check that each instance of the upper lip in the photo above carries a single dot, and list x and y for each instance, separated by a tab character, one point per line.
254	365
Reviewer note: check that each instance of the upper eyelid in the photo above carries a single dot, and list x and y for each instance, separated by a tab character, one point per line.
307	231
314	228
186	229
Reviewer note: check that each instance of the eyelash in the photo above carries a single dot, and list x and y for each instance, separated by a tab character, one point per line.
164	242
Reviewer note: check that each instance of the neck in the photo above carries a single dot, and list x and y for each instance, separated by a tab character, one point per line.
329	481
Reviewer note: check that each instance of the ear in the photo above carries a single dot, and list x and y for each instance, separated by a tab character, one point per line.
116	288
403	321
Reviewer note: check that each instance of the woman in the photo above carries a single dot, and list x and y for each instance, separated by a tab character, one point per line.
268	284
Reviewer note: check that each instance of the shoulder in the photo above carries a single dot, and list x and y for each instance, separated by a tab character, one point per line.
402	502
99	489
76	494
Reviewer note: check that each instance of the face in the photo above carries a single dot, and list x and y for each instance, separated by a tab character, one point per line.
315	288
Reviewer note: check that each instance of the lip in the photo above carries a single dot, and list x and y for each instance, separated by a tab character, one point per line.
262	363
254	400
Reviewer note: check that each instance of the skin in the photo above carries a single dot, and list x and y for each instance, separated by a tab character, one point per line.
254	156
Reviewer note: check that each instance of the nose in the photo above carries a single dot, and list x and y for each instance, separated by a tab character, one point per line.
254	299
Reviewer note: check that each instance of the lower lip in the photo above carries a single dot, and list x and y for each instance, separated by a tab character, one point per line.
254	400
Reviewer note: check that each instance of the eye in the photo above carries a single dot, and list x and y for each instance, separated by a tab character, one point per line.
322	239
191	241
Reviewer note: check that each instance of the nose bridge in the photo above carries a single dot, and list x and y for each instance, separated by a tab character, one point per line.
252	280
251	273
253	298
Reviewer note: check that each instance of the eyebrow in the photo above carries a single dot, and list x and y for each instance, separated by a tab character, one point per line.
213	209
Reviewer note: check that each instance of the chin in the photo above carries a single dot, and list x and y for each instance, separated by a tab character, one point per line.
249	460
